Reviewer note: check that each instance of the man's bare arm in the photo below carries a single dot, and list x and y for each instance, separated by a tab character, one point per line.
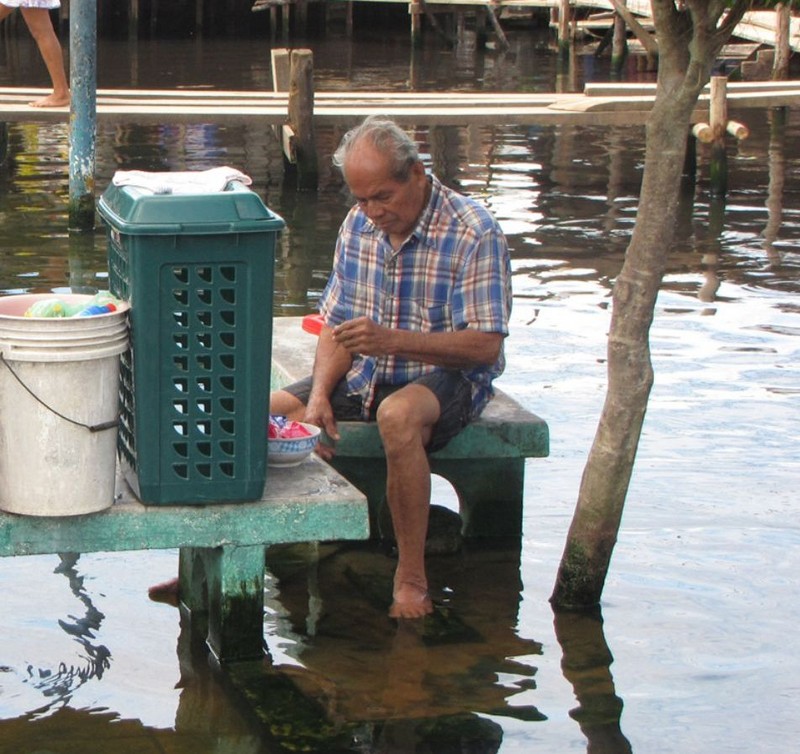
454	350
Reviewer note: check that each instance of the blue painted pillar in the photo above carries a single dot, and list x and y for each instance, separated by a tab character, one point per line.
83	113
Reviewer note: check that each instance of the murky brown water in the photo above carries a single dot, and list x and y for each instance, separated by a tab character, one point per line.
695	650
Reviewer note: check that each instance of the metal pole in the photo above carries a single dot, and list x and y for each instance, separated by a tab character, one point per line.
83	113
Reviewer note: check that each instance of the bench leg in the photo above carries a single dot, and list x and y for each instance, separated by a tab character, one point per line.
227	583
489	493
369	476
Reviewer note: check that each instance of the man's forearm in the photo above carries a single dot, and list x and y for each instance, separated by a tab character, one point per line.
453	350
331	363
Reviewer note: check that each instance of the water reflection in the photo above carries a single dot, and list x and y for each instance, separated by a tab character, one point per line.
333	635
586	663
59	684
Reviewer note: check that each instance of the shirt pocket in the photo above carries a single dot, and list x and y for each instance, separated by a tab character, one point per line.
435	317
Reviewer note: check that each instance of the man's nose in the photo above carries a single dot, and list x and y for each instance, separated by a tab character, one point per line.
373	208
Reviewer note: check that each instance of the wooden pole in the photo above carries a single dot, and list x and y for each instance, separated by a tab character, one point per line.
502	40
280	69
301	17
481	36
133	19
777	177
648	42
83	113
690	160
415	9
301	118
563	27
718	116
619	44
780	65
3	142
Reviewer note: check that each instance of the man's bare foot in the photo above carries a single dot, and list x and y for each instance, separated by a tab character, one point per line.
411	600
51	100
166	592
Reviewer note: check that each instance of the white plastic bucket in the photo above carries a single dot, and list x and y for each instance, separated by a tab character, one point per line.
58	408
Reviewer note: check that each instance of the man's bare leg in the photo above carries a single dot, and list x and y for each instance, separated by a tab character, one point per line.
405	420
41	29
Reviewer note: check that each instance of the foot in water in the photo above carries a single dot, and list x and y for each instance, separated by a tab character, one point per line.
166	592
51	100
411	600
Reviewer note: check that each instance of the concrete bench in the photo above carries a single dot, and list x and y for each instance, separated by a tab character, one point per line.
221	546
485	463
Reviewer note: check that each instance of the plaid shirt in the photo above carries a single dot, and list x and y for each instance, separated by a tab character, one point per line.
452	272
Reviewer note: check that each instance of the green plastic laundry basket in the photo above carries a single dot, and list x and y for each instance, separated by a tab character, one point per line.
197	270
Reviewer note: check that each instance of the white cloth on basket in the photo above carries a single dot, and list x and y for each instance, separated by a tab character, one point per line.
48	4
186	182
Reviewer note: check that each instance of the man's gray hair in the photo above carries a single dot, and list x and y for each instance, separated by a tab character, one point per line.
387	137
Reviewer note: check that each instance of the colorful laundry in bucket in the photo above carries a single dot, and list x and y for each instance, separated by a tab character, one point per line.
101	303
285	429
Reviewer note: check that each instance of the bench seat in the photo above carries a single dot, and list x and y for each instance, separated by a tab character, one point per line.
485	463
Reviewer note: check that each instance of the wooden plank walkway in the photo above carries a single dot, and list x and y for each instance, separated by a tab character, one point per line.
600	104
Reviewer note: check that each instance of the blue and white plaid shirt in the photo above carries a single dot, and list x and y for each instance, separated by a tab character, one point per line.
452	272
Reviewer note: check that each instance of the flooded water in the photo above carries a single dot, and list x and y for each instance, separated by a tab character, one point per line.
695	649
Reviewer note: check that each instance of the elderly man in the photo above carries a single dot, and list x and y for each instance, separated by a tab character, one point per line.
415	310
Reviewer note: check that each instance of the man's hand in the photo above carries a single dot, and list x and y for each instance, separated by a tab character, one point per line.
320	413
363	336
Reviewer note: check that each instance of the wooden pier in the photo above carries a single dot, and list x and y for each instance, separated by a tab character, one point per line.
757	26
597	105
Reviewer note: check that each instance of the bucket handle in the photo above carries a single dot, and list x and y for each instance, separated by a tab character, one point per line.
91	427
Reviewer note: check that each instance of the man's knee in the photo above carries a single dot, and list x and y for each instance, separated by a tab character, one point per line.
283	403
406	418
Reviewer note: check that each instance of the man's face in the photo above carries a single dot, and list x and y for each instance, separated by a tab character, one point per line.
393	206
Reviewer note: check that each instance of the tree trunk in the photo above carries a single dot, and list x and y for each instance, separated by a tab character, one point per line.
604	486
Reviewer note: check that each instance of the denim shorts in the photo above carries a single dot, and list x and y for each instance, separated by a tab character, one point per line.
451	388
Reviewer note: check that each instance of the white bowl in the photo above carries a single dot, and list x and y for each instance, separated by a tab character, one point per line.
282	451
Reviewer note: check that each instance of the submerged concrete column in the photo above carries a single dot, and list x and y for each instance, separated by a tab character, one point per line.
83	113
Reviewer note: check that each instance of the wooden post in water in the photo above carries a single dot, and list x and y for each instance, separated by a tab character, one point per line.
199	13
502	40
301	118
133	19
3	141
563	27
780	65
777	177
416	10
619	44
83	113
718	117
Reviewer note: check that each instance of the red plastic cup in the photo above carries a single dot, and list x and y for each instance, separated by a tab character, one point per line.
312	323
